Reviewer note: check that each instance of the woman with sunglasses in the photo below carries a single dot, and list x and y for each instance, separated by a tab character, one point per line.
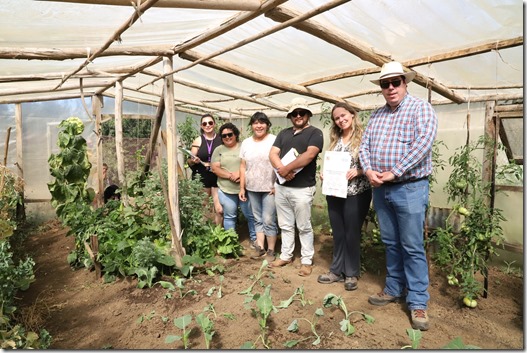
346	215
257	178
202	148
226	165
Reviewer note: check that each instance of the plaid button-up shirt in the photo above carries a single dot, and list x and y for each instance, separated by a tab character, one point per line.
400	141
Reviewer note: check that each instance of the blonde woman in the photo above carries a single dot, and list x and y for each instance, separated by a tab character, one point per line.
346	215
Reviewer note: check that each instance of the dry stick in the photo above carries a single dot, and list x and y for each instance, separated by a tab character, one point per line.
139	11
272	30
181	250
5	158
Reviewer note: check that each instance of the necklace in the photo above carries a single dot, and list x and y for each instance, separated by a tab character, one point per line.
209	146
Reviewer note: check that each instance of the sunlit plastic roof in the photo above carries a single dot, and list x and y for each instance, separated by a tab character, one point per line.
463	50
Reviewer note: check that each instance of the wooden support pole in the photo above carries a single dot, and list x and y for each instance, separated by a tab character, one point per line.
173	197
20	207
119	139
155	132
96	109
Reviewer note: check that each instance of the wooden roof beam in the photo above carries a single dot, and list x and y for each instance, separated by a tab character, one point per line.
245	5
265	80
342	40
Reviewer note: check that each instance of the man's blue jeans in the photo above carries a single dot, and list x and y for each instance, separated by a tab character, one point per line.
401	213
230	203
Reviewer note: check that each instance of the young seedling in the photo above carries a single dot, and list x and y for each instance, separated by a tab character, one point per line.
207	326
345	325
301	298
264	307
179	283
293	327
415	336
181	323
258	277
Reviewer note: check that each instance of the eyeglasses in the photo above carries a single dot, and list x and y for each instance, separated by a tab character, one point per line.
205	123
394	83
298	113
229	134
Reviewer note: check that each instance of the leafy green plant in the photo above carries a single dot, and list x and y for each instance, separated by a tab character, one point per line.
259	275
415	336
345	325
298	295
465	251
182	324
264	307
457	343
207	326
188	131
293	327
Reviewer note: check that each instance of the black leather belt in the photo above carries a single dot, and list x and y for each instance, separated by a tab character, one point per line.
408	180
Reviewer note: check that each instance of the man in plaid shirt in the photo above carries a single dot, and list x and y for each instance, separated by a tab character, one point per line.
396	156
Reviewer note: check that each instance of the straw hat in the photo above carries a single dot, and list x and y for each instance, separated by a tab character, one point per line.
392	69
299	103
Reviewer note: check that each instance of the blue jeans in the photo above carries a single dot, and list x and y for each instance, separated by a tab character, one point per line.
230	203
293	206
264	212
401	213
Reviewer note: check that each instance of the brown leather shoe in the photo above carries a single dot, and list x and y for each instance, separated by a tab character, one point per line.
279	263
305	270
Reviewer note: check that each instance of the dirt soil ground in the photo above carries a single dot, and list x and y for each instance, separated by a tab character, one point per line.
81	312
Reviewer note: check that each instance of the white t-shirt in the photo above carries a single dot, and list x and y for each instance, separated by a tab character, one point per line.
259	173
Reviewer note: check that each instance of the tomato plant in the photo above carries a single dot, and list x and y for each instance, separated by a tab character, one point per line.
466	251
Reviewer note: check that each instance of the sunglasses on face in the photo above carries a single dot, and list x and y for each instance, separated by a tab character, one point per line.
205	123
229	134
298	113
394	83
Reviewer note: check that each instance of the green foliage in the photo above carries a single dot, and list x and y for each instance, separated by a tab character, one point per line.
139	128
293	327
207	326
464	252
264	307
15	277
182	324
10	198
298	295
415	336
70	168
188	131
345	325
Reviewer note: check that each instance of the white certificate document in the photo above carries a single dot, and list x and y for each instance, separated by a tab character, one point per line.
336	164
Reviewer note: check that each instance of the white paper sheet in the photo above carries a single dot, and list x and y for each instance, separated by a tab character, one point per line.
336	164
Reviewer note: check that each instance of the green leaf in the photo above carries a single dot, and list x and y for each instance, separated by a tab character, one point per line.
183	321
292	343
293	327
172	338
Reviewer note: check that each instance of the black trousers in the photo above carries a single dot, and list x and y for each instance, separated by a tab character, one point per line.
346	217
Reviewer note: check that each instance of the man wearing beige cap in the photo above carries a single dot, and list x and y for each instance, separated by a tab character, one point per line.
396	156
296	184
